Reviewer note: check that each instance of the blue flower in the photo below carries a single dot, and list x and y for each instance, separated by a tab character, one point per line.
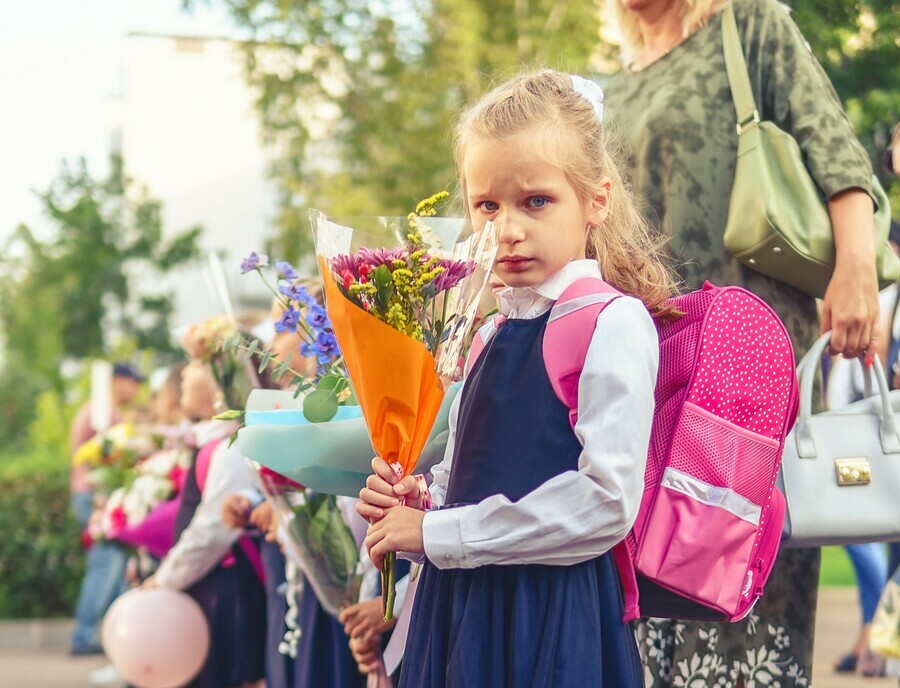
307	350
285	270
317	316
326	345
289	320
254	261
297	293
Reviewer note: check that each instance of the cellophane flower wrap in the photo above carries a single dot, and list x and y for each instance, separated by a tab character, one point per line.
319	540
401	294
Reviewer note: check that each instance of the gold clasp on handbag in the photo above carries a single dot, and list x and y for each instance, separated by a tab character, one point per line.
855	471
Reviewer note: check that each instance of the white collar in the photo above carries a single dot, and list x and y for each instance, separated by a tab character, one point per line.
208	430
530	302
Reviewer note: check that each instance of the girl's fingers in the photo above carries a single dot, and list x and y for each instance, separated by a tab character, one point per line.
369	512
383	470
407	487
376	498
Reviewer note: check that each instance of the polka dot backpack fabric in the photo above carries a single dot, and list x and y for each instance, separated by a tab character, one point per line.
711	518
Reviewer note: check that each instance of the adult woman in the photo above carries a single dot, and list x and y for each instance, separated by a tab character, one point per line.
674	110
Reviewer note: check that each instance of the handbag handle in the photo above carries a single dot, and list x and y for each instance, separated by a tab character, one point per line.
867	376
806	446
736	68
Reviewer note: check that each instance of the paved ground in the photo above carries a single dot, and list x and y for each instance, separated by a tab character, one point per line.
33	655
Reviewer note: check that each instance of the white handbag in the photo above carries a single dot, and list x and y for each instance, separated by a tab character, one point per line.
840	473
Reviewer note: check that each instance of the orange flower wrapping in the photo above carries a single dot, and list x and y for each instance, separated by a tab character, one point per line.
393	376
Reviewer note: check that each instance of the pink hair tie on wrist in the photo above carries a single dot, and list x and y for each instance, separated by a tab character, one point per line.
424	492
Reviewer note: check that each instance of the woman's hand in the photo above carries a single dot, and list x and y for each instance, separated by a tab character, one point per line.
850	310
384	490
400	530
365	620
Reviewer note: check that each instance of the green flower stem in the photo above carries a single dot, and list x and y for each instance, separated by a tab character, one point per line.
389	584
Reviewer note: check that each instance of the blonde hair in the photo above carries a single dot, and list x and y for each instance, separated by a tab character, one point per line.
568	134
693	14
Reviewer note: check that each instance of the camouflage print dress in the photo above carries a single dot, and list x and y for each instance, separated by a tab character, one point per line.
677	123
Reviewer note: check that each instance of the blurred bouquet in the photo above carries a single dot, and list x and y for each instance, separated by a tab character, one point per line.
114	453
151	483
402	296
206	341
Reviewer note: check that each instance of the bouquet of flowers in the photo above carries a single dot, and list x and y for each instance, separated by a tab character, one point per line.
234	374
114	453
402	298
142	512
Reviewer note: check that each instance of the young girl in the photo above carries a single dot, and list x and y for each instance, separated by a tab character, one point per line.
518	586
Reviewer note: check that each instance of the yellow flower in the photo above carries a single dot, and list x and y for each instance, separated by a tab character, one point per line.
91	452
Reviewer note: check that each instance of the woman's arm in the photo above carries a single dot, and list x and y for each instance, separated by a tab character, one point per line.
796	94
851	300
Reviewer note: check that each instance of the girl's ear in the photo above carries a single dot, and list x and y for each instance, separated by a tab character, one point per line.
598	205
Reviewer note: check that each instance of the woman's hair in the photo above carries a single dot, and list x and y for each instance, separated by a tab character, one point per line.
693	13
567	133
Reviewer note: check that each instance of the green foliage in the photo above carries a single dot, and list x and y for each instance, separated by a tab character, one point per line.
60	297
41	558
856	42
360	97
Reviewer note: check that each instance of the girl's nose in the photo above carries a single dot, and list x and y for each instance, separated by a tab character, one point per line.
510	227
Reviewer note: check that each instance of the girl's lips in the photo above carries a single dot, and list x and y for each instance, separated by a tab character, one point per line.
515	264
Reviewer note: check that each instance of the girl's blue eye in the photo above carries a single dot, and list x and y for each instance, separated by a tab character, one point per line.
538	201
489	206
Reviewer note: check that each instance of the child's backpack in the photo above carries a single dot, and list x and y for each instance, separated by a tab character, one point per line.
710	520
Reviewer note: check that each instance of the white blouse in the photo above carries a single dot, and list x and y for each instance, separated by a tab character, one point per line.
577	515
206	540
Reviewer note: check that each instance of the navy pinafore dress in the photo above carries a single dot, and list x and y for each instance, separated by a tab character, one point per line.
517	626
234	603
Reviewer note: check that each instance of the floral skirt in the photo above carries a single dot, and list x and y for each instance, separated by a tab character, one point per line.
771	647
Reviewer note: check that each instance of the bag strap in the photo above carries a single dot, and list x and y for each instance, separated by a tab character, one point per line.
736	68
570	329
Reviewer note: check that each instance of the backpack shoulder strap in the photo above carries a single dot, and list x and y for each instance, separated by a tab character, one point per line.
484	334
570	328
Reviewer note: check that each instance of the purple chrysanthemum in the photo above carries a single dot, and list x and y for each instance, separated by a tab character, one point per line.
375	257
454	272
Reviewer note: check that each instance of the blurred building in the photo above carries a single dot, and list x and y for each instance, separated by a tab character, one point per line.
189	133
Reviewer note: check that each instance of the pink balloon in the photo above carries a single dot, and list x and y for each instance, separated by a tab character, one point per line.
156	638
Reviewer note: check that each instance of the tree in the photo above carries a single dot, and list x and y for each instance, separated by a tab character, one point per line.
379	84
359	97
856	42
62	297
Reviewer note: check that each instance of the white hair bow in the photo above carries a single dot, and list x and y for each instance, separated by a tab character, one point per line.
591	92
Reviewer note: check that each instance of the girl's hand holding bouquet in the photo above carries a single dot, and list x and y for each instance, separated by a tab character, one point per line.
395	506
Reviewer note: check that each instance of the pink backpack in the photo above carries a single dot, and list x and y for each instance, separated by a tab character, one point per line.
710	520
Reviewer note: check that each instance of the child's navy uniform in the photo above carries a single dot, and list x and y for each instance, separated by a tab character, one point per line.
517	625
